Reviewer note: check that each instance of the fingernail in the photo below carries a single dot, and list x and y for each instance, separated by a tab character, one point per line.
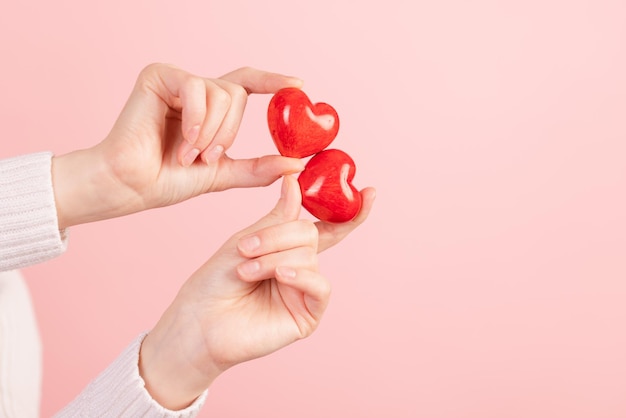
214	154
297	81
286	272
193	133
190	156
249	268
249	244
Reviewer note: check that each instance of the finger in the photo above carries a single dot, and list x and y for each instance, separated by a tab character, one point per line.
315	287
225	134
184	92
194	107
332	233
289	204
262	268
255	172
259	81
279	237
287	208
218	102
181	91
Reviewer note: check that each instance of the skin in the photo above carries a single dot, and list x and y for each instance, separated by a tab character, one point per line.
142	163
262	290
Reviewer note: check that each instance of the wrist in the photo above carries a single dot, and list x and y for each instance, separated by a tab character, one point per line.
84	190
167	366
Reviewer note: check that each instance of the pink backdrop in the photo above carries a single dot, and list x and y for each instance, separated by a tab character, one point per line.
490	280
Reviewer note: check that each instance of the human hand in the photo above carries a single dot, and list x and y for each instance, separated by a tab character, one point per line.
168	145
261	291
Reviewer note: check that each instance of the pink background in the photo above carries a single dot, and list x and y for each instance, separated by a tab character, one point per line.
489	280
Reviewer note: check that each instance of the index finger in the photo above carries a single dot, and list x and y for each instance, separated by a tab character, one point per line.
259	81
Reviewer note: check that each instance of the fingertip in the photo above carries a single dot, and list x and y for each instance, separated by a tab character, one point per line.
276	82
188	154
248	245
283	166
285	273
213	154
296	166
369	194
294	82
254	80
248	270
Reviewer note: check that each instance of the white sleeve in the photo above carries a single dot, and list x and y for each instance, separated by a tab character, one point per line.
29	235
119	392
20	350
29	232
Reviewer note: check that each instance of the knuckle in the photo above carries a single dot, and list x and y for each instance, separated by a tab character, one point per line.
243	70
230	132
149	78
268	237
192	83
239	93
150	70
312	260
221	99
325	289
309	230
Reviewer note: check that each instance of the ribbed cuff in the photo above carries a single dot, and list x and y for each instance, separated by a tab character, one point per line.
29	232
120	392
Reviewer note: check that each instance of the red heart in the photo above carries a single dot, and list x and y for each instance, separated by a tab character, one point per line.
298	127
326	185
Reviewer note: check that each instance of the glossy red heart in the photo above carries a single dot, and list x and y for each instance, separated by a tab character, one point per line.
298	127
326	185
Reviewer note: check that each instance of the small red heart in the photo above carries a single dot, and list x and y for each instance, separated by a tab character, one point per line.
298	127
326	185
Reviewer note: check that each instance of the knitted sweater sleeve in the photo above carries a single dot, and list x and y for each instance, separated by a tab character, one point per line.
29	231
29	235
119	392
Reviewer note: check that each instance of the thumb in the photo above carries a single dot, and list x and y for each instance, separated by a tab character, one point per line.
287	208
259	81
255	172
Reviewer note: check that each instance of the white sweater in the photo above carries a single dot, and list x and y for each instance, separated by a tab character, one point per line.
28	235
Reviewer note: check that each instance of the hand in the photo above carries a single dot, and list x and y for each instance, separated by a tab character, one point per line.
261	291
168	145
